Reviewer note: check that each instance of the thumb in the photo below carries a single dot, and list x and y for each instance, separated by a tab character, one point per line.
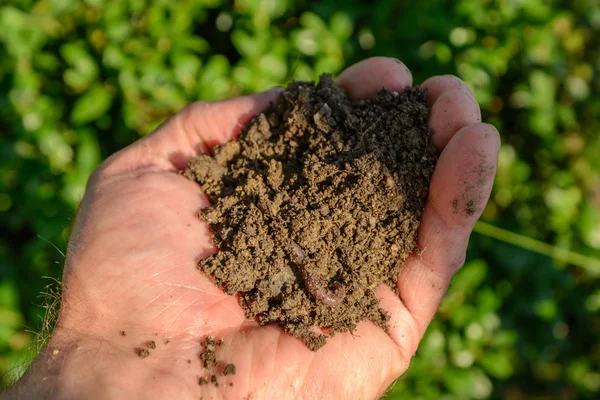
192	131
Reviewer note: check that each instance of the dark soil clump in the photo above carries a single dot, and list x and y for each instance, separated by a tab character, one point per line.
209	355
316	204
143	353
229	370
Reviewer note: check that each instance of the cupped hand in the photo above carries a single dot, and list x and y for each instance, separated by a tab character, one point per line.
130	275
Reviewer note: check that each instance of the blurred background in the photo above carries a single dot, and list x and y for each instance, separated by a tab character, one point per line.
81	79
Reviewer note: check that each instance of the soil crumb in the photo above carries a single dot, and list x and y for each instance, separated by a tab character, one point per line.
229	370
316	204
209	355
151	344
143	353
202	381
470	208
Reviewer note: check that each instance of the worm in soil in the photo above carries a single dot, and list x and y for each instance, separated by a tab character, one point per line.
312	282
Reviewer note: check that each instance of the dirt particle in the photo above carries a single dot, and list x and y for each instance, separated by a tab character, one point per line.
345	182
208	355
470	208
213	378
167	341
202	381
229	370
143	353
230	383
123	333
151	344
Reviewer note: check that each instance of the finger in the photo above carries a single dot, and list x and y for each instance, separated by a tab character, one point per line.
445	83
193	131
362	80
451	111
460	187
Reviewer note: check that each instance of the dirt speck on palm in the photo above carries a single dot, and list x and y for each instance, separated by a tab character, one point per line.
209	355
316	204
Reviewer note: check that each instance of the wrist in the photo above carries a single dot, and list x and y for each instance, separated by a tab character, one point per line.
79	366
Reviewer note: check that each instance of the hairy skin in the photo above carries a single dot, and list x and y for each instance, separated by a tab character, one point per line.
131	266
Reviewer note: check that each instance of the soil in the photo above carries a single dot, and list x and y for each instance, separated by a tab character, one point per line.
209	360
316	204
143	353
209	355
229	369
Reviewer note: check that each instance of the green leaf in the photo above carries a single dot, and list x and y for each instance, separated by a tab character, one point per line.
88	152
497	364
92	105
9	297
10	320
470	276
468	383
546	309
341	25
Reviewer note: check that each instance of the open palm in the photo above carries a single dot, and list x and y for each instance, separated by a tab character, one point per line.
131	265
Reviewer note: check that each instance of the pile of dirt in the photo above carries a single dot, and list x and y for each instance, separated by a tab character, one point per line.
316	204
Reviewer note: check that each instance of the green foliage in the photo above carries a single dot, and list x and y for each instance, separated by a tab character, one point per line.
81	79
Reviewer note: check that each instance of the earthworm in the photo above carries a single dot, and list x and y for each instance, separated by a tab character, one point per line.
312	282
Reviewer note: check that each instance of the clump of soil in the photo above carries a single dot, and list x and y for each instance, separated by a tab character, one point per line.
209	355
209	359
316	204
143	353
229	369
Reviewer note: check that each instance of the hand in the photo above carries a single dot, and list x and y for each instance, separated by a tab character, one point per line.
131	267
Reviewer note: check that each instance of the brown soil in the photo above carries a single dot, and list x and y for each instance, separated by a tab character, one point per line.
229	369
209	355
143	353
316	204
